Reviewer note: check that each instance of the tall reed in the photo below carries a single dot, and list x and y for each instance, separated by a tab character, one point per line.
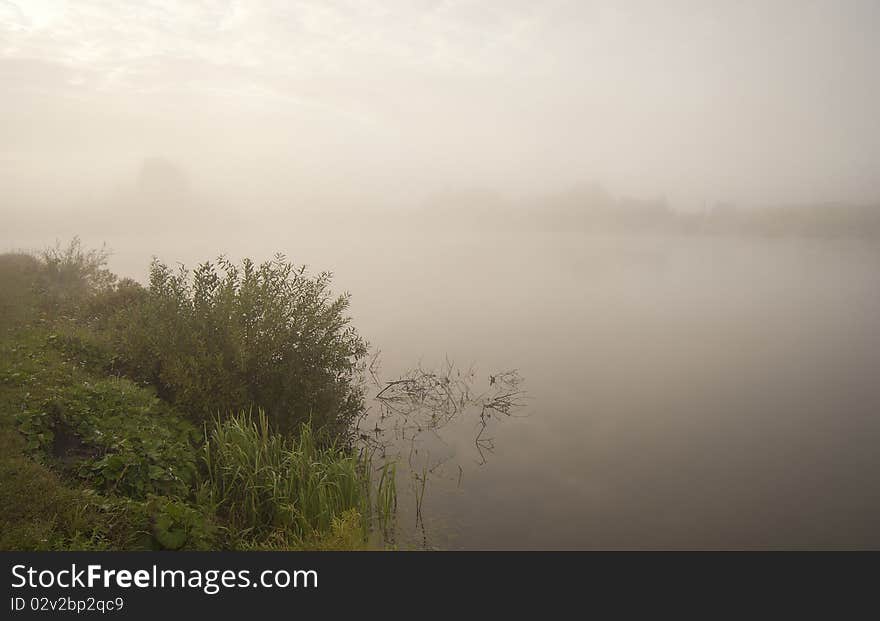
263	482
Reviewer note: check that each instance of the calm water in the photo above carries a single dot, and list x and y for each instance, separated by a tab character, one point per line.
684	393
687	392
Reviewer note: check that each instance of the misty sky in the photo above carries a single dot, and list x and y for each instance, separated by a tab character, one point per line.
753	102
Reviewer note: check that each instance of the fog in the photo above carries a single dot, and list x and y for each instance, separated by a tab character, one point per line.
665	215
346	104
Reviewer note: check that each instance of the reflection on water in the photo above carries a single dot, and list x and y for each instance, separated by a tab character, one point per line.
424	402
690	392
696	393
407	413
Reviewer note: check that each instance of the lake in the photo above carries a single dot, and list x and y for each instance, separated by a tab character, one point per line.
682	392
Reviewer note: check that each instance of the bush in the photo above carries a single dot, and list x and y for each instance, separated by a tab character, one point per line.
64	283
69	277
110	301
91	460
18	276
228	337
177	525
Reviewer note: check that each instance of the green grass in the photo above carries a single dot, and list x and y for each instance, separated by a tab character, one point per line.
91	461
262	482
110	431
42	512
42	509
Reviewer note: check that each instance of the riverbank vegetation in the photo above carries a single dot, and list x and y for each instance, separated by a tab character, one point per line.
212	409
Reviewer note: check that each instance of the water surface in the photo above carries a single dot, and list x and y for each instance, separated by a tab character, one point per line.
686	392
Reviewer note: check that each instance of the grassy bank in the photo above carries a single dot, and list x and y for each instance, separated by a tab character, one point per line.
206	411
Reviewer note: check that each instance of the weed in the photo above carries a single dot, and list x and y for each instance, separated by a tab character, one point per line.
262	481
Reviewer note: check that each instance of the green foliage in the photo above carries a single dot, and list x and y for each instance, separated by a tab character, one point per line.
346	533
18	276
113	433
40	509
271	487
177	525
228	337
82	346
70	276
91	461
109	301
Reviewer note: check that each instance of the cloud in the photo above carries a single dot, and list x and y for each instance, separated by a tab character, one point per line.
734	101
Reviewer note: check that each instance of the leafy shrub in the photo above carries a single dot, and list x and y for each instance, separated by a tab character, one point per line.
228	337
115	434
110	301
41	509
96	462
70	276
177	525
82	346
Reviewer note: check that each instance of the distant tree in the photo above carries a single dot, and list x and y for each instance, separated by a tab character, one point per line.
160	178
70	276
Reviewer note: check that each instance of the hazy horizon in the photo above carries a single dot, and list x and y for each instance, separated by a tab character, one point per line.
389	104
